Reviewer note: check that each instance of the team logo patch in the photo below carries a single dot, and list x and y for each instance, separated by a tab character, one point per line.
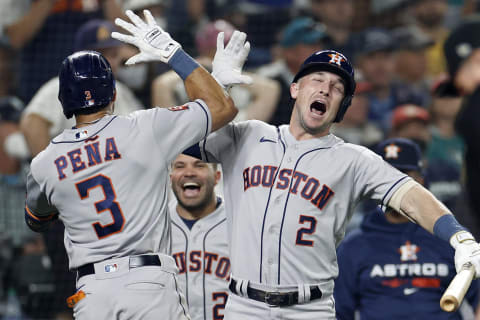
111	268
179	108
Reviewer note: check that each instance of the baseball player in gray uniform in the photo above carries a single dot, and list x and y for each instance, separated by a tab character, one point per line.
199	237
107	177
290	191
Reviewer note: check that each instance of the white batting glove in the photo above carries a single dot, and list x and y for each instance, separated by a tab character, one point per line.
228	62
466	250
153	42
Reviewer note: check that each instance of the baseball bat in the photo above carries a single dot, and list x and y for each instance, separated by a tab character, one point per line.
452	297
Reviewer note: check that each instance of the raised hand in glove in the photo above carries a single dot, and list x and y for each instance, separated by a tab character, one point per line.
153	42
466	250
228	62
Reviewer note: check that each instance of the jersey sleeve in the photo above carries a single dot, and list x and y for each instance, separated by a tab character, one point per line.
177	128
38	211
375	178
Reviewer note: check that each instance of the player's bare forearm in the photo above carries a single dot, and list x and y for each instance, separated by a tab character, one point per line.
421	205
201	85
36	132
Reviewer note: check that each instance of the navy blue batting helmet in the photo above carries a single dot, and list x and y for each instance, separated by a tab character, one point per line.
86	81
335	62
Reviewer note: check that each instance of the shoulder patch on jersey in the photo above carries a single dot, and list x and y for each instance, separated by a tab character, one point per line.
178	108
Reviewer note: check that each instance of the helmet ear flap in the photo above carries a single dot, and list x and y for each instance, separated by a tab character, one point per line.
346	102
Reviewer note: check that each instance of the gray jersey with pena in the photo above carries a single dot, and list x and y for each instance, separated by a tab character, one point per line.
201	254
289	201
109	180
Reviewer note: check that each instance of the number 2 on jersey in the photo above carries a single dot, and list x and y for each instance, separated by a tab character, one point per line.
108	203
307	230
223	296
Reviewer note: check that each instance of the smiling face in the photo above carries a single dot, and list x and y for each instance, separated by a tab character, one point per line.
193	183
318	96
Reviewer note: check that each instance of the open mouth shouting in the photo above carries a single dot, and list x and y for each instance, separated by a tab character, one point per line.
191	189
318	107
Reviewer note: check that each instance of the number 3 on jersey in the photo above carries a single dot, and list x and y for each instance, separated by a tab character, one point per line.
108	203
310	229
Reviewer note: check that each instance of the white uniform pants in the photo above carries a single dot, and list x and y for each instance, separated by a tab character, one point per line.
147	292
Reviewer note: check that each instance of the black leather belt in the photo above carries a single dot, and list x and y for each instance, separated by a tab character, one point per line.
278	299
135	262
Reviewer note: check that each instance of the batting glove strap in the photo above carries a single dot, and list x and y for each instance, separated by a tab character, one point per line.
153	42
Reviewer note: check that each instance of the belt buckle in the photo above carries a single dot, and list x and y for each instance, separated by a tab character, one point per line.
274	298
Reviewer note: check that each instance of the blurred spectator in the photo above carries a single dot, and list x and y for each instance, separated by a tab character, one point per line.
411	121
43	118
355	127
462	51
429	17
8	67
337	16
32	279
300	38
445	144
139	77
441	177
410	58
389	14
43	32
12	188
256	101
375	59
407	270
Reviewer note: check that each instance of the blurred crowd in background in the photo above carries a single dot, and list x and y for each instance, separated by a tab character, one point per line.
396	47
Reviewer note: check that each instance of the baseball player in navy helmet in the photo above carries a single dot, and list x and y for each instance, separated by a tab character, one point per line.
107	177
290	190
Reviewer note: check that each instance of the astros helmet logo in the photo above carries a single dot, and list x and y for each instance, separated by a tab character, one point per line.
336	58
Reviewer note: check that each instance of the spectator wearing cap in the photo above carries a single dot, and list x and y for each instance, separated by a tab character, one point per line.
298	40
355	127
430	16
412	122
445	144
43	118
13	149
375	58
337	16
411	59
43	32
443	177
256	101
462	51
386	285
